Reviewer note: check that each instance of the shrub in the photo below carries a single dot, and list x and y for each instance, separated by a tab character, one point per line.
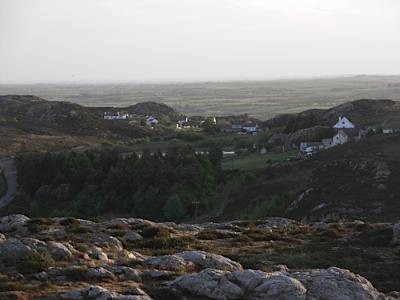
34	264
242	240
378	237
118	227
214	235
118	233
41	221
263	235
35	228
81	247
69	222
10	286
166	243
79	230
39	224
331	233
76	273
151	231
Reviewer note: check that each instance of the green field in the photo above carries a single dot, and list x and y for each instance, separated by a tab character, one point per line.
255	161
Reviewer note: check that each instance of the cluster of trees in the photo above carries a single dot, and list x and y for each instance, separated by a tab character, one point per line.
159	186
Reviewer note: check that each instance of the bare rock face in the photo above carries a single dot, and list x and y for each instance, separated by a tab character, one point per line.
125	273
99	273
249	284
169	262
13	223
335	283
210	260
59	251
187	261
98	253
106	242
13	249
132	237
99	293
327	284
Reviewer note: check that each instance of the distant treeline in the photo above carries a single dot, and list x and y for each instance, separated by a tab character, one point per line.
157	186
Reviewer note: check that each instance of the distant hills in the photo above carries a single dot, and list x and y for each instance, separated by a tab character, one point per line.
260	99
32	122
364	112
356	180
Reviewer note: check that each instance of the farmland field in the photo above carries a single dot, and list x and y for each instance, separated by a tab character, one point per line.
261	99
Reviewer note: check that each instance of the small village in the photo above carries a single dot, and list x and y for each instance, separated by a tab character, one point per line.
344	131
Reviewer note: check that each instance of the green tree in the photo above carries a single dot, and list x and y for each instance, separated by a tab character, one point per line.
173	209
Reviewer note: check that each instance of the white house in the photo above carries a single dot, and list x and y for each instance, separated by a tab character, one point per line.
182	122
310	147
344	123
250	128
340	138
151	121
111	115
387	131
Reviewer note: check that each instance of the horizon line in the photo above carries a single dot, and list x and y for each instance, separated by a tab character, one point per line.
195	81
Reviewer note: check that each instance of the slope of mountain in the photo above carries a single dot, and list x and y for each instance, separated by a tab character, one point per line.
30	112
30	120
358	180
158	110
365	112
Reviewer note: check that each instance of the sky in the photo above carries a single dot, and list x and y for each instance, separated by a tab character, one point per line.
53	41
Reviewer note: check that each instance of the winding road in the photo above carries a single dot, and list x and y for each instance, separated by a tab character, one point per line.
10	173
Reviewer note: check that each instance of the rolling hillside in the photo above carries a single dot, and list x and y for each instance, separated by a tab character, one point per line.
34	123
364	112
359	180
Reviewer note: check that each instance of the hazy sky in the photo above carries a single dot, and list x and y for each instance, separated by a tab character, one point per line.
186	40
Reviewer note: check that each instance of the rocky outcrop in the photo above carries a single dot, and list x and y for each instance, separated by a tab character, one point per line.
99	293
60	251
104	257
249	284
209	260
186	261
170	263
329	284
132	237
335	283
13	249
13	223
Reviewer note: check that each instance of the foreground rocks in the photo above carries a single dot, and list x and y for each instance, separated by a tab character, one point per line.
332	283
99	293
136	259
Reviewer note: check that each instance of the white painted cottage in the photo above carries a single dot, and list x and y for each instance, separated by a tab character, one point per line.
112	115
340	138
151	121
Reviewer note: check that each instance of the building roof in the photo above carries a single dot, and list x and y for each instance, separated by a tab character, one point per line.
250	125
343	122
111	113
